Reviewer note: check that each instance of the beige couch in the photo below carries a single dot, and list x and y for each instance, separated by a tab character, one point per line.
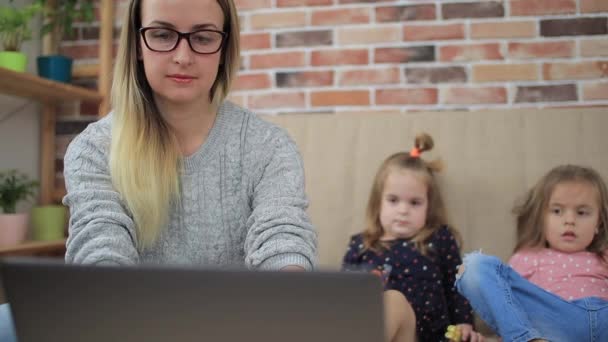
491	158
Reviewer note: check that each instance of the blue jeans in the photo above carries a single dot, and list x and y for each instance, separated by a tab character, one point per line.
521	311
7	330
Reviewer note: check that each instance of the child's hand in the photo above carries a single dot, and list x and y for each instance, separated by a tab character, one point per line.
463	332
468	334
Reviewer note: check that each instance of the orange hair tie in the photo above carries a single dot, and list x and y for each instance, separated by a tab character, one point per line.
415	152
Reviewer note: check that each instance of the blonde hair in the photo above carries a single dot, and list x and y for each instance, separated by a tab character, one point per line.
531	211
436	216
144	154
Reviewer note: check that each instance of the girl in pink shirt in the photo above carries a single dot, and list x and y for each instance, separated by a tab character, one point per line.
556	287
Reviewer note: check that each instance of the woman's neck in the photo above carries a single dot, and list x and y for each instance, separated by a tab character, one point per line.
191	124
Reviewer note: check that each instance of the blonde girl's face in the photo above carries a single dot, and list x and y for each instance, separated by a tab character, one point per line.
181	76
404	205
572	216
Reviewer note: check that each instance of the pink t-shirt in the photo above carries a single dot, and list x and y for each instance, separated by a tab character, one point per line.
569	275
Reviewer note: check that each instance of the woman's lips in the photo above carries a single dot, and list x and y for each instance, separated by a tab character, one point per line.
181	78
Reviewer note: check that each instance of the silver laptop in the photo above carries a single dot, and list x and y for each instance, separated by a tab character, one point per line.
52	301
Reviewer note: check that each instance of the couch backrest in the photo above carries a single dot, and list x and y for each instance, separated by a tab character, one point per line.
491	158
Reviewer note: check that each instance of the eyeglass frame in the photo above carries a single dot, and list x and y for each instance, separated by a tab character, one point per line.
180	36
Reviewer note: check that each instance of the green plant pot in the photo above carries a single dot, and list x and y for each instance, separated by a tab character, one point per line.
16	61
48	222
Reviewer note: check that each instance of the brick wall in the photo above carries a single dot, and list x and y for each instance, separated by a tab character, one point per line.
364	55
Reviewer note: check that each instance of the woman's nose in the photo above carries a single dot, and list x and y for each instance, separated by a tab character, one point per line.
182	53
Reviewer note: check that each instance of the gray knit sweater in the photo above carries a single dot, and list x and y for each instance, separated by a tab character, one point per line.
242	201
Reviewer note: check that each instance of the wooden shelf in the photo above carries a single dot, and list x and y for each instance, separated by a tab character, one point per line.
41	89
34	248
58	194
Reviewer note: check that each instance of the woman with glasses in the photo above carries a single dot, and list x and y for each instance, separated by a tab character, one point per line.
176	174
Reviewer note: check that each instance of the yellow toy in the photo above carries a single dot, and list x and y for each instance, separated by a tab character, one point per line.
453	333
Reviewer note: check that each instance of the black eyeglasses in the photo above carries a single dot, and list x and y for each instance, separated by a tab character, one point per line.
163	39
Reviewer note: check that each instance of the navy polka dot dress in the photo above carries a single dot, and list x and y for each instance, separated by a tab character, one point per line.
426	281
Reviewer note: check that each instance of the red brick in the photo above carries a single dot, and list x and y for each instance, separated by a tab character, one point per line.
305	79
594	47
433	32
404	13
252	81
575	71
507	29
472	96
88	108
505	72
340	98
367	35
472	52
341	16
542	50
303	3
369	76
542	7
361	1
339	57
277	60
406	96
595	91
80	51
405	54
488	9
573	27
277	100
242	5
277	20
254	41
547	93
443	74
592	6
304	38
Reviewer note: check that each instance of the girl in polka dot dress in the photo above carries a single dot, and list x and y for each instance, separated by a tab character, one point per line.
407	240
556	287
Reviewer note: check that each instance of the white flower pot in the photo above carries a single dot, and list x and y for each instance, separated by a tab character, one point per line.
13	229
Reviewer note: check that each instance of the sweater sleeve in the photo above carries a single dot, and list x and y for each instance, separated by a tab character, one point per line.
449	255
100	229
279	232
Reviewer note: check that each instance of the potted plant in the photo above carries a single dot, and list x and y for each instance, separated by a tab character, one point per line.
14	188
14	30
59	17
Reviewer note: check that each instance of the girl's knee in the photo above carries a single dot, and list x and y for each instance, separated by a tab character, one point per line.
475	266
399	316
478	262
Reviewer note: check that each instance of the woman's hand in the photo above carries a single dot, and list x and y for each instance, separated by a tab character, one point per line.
293	268
468	334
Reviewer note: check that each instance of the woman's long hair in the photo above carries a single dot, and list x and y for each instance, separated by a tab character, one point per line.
144	154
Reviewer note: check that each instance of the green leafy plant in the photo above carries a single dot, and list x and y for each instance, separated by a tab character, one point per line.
15	186
15	24
60	18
